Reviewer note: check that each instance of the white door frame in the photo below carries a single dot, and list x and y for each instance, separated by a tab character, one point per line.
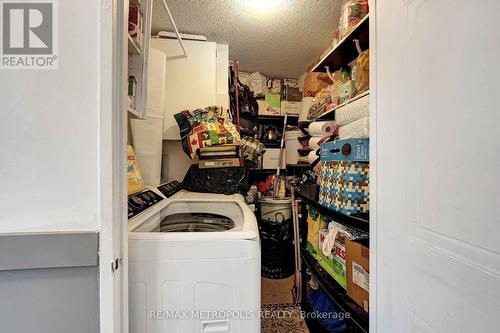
113	239
373	167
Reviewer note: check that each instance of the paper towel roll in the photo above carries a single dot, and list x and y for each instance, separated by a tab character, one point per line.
147	141
312	156
157	68
314	142
322	128
304	108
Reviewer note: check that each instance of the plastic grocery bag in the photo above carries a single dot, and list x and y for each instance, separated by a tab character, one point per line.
257	84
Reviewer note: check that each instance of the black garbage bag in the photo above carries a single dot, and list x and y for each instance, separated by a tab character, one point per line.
246	100
219	180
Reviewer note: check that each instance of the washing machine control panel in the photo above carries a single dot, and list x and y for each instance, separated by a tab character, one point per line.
169	189
139	202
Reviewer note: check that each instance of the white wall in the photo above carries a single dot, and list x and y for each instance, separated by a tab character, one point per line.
49	133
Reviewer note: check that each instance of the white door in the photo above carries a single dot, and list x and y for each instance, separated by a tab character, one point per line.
437	166
113	234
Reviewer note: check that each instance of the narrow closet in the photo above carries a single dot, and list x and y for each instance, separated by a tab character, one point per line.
228	143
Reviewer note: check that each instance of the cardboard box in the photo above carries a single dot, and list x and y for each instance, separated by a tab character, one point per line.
334	263
292	94
289	108
293	83
271	157
273	105
346	150
274	86
262	107
358	271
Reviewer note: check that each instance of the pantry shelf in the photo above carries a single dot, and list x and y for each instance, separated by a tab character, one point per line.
357	222
358	316
345	51
133	113
133	48
330	114
278	120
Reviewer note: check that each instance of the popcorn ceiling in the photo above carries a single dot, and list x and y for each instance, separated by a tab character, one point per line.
282	43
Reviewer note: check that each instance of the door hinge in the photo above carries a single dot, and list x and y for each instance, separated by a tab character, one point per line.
115	264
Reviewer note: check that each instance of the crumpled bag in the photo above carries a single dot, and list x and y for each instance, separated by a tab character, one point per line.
362	81
205	128
315	82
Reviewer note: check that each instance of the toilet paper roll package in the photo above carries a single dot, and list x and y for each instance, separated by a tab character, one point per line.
322	128
312	157
357	129
315	142
353	111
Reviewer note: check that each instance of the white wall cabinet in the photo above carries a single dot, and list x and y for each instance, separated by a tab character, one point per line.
195	81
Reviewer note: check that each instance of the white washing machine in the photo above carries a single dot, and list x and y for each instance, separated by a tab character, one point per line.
194	264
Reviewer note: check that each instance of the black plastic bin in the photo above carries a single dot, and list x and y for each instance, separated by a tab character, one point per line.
278	254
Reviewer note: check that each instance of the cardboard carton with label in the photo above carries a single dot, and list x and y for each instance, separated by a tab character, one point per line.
358	271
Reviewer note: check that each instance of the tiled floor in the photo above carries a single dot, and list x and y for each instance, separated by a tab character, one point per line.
277	291
284	318
279	314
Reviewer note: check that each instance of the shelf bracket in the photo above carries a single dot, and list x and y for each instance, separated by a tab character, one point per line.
327	69
358	48
179	37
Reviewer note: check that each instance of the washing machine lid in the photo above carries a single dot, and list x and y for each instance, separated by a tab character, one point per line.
229	207
183	194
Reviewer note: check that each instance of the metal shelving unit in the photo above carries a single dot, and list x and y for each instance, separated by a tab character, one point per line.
340	55
330	114
358	318
357	222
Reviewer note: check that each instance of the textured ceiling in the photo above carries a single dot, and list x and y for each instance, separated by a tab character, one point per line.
280	42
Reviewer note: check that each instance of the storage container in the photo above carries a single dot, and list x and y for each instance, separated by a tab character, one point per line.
271	157
290	108
275	210
292	144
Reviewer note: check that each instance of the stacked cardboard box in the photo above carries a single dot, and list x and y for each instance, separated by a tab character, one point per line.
282	99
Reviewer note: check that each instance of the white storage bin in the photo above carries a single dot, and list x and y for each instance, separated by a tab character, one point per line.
292	144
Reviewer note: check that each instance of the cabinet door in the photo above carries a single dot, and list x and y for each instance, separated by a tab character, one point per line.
436	166
191	81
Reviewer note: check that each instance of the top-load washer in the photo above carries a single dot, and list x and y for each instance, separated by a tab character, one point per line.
194	265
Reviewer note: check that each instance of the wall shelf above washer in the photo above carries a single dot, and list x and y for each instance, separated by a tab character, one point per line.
133	113
133	48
